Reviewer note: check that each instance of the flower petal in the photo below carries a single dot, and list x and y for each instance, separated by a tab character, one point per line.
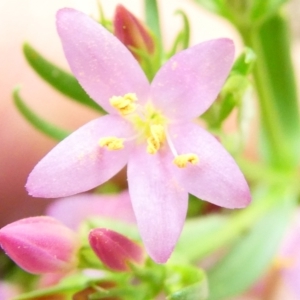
158	201
191	80
89	205
78	163
216	178
100	62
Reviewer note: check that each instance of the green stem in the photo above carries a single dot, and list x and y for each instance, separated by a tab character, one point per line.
276	88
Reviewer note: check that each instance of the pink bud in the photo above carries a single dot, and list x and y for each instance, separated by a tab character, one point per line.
131	32
40	245
114	249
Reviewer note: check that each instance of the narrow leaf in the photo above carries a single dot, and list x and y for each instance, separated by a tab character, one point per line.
245	264
185	30
36	121
58	78
152	18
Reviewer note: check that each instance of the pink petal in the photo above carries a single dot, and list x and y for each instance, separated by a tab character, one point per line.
78	163
216	178
99	61
90	205
158	201
190	81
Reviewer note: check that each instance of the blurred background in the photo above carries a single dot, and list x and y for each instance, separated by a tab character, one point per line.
33	21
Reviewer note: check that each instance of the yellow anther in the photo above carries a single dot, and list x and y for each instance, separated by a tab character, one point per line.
125	105
111	143
182	160
157	135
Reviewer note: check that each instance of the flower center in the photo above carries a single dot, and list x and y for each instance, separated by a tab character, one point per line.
150	125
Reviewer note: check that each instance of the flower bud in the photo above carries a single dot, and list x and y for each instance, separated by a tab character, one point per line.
40	245
114	249
131	32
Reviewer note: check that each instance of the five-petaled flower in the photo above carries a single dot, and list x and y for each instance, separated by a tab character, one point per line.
149	127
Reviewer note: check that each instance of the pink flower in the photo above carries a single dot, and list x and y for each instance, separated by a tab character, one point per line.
149	127
40	245
114	249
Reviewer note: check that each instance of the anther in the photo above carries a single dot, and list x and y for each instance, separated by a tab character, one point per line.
125	105
182	160
111	143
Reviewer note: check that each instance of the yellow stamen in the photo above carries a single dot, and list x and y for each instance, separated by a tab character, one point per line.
182	160
111	143
157	135
125	105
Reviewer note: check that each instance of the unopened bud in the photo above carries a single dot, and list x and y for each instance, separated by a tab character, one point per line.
40	245
115	250
131	32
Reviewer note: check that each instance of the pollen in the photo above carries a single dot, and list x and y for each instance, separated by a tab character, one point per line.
181	161
124	104
111	143
157	136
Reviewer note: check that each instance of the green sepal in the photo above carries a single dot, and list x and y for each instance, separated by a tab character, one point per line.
244	63
244	264
148	62
36	121
185	282
58	78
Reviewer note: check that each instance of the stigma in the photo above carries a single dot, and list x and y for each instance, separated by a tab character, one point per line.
156	138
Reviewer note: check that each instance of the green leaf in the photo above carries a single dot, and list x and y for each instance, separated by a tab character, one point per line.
36	121
185	282
194	233
251	256
185	32
57	78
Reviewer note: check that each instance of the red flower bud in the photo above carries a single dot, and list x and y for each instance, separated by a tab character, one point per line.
131	32
114	249
40	245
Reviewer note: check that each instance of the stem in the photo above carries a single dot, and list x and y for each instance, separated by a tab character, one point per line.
276	88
